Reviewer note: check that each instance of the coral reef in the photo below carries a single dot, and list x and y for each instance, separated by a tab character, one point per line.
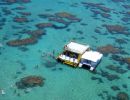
98	8
116	29
118	0
121	41
109	76
67	16
44	25
17	1
126	6
25	41
96	78
122	96
30	81
116	69
6	11
108	49
20	19
60	17
34	35
25	13
115	88
127	60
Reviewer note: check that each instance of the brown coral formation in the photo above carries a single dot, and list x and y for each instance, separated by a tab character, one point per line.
116	29
17	1
99	9
67	16
61	17
30	81
25	41
59	20
44	25
105	15
108	49
25	13
34	35
20	19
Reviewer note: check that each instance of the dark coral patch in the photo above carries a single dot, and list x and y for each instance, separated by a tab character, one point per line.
16	1
29	82
115	88
67	16
127	60
96	78
97	30
116	69
34	35
25	13
108	49
64	18
59	20
120	41
105	15
37	33
122	96
25	41
118	0
6	11
20	19
116	29
109	76
98	9
126	6
44	25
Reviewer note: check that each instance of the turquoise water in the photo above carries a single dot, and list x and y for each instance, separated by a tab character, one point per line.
62	82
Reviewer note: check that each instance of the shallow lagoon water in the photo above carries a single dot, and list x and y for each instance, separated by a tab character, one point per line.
62	82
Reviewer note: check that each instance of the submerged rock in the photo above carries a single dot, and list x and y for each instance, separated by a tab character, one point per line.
30	81
122	96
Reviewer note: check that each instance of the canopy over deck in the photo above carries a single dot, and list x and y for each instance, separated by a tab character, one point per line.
92	56
76	47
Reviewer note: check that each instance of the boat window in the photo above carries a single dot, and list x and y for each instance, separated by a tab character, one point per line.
71	54
85	61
